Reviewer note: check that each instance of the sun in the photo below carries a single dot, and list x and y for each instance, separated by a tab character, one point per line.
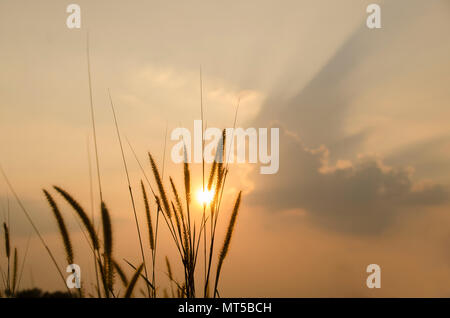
205	196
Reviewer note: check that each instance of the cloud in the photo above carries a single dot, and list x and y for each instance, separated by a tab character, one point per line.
370	113
361	196
378	91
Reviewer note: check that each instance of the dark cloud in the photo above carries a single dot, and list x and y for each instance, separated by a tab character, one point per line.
364	195
428	156
361	197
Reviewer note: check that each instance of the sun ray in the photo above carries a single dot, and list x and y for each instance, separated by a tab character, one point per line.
205	196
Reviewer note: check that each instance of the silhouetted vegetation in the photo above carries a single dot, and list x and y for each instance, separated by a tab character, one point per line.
37	293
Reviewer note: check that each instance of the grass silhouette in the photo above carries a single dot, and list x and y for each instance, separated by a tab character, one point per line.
174	207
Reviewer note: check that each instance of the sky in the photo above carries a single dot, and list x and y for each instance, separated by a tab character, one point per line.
363	116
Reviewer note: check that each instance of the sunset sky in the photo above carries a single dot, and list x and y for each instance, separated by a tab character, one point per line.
363	115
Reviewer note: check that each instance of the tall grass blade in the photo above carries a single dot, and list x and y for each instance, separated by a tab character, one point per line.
142	276
23	262
121	273
14	273
91	197
129	187
149	218
30	220
226	243
93	117
169	273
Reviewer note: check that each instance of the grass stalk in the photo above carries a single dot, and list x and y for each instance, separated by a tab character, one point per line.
91	197
226	243
30	220
93	117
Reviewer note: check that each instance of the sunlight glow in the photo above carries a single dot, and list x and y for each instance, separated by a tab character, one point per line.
205	197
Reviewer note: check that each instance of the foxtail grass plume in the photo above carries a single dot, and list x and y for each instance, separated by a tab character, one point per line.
62	227
82	214
149	218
